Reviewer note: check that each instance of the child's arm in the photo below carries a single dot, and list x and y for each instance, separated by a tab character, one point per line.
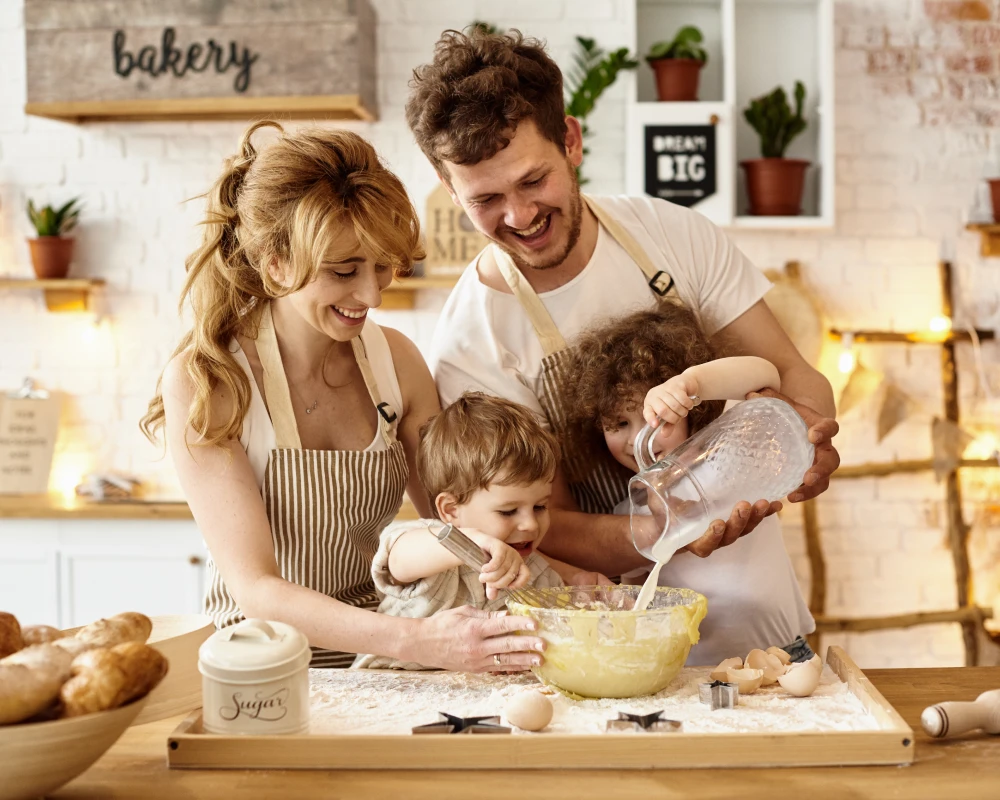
722	379
417	554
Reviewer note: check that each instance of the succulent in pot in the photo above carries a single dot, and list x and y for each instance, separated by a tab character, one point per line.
52	250
775	183
677	65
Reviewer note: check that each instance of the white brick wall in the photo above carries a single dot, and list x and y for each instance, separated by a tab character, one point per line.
909	156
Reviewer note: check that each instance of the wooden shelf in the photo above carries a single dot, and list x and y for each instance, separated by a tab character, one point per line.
877	470
400	294
990	237
61	294
47	506
909	337
347	106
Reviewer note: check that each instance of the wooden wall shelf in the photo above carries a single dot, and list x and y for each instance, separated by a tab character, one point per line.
61	294
989	233
401	294
907	337
348	106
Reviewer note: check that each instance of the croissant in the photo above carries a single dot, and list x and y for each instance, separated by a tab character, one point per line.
128	627
109	678
10	634
40	634
30	680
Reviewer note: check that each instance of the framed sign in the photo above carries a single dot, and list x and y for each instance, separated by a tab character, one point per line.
160	59
28	430
680	162
452	239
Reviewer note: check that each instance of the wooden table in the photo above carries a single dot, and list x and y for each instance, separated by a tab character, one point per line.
960	769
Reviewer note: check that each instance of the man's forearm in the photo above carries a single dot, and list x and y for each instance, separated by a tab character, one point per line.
809	387
593	542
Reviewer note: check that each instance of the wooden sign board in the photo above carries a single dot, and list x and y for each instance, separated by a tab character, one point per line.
160	59
28	429
452	239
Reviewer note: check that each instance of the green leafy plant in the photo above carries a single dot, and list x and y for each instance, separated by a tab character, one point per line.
772	118
686	44
49	221
593	71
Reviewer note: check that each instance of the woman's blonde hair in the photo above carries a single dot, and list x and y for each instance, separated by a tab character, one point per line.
287	203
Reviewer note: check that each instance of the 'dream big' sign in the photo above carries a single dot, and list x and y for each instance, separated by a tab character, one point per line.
126	50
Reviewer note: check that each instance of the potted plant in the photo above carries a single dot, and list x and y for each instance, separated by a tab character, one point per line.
775	183
52	252
677	65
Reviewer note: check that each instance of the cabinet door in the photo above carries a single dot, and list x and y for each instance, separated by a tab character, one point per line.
29	571
151	567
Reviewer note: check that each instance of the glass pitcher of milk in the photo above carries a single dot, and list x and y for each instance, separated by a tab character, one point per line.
756	450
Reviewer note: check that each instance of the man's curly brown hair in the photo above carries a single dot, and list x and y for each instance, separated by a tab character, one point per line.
616	363
466	104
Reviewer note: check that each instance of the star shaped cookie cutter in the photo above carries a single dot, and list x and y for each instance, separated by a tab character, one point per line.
654	722
449	723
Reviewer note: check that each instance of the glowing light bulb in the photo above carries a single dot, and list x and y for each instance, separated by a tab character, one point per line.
846	362
940	324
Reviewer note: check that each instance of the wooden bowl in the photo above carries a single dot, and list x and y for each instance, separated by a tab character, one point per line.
178	638
39	757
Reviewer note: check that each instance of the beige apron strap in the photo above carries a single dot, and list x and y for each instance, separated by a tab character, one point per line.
279	401
541	320
386	415
659	281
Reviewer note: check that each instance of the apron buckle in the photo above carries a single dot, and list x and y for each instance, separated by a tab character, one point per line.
661	283
381	407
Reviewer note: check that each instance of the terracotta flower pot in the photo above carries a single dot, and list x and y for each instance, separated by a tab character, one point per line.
51	256
677	78
775	185
995	197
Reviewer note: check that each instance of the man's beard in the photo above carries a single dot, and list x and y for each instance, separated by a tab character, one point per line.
576	224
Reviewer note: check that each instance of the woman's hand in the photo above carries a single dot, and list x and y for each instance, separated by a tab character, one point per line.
670	402
505	569
466	639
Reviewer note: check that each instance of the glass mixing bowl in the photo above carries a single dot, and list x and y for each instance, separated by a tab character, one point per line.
599	647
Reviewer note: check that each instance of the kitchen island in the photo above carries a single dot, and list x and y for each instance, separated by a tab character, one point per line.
965	768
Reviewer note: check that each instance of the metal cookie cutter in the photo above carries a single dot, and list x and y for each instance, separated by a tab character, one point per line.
643	722
719	694
449	723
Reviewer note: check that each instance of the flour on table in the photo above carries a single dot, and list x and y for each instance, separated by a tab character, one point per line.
386	702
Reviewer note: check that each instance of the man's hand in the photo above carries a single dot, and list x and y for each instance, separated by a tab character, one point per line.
583	578
745	518
821	432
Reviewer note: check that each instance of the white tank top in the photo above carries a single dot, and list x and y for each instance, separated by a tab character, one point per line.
258	437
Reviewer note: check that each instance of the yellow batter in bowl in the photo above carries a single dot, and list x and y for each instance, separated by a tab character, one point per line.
599	647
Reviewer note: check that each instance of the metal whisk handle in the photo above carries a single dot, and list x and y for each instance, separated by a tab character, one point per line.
460	545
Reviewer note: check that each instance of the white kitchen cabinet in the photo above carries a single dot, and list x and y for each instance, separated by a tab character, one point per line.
69	572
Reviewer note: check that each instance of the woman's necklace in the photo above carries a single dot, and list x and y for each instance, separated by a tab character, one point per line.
315	403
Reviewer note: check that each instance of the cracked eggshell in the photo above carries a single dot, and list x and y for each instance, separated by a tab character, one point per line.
529	711
748	680
771	665
720	672
816	663
800	680
779	654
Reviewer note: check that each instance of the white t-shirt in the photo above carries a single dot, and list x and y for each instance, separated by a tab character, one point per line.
485	342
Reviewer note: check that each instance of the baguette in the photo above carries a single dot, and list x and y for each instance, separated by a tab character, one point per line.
108	678
40	634
119	629
30	680
10	634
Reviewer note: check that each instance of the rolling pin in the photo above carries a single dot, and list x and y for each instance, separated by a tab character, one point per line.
951	719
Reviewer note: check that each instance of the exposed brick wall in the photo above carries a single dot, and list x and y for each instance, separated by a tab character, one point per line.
917	117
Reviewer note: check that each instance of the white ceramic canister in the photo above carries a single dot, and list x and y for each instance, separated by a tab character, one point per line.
255	679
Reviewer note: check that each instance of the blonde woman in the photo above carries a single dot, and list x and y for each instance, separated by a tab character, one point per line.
293	420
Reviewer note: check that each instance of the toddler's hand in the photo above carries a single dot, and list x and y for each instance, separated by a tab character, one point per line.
670	402
505	569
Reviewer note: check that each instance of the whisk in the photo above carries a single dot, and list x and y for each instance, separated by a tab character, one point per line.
471	554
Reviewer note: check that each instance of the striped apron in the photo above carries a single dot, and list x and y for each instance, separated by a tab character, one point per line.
326	508
605	483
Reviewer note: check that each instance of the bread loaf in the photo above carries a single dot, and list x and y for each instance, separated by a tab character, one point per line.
109	678
128	627
40	634
30	680
10	634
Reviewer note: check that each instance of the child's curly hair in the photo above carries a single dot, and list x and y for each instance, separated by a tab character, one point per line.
616	363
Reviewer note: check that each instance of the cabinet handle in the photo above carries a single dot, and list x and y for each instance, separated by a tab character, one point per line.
194	561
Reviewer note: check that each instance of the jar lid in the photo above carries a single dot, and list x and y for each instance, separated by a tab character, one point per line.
253	650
